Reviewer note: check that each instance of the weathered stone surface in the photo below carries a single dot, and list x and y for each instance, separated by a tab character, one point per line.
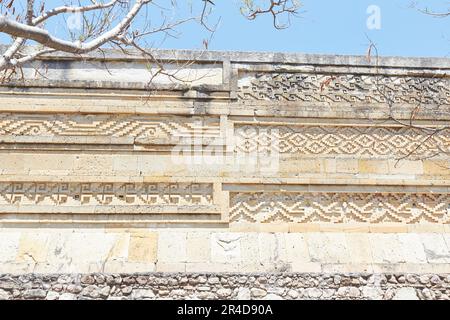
406	293
269	286
94	186
4	295
258	292
143	294
34	294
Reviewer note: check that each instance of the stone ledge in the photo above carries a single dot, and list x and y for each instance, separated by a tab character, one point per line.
259	57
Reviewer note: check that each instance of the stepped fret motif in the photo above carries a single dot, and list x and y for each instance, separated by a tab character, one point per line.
339	207
343	88
340	140
106	125
108	194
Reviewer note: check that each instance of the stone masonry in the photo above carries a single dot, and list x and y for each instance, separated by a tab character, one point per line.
271	286
250	175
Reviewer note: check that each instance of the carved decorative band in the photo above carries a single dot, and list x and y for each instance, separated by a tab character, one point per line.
35	194
135	126
343	88
339	207
357	141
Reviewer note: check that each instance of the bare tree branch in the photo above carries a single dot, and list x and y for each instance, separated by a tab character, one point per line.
276	9
43	37
67	9
103	23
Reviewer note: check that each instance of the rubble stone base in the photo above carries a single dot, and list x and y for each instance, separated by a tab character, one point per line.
289	286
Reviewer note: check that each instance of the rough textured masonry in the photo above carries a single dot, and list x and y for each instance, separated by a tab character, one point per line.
259	175
271	286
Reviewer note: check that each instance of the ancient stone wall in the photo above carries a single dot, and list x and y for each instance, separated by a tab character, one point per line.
255	162
271	286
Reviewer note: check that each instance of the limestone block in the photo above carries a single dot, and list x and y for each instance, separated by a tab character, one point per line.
9	246
249	243
304	227
172	247
373	166
170	267
225	247
327	247
388	228
12	163
117	266
386	248
143	248
426	228
273	227
406	167
33	246
346	267
436	167
412	248
48	163
359	247
272	247
198	246
435	248
297	248
306	267
93	163
17	267
69	252
120	248
213	267
346	165
301	165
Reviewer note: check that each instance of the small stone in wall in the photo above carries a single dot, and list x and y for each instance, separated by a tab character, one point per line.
4	295
293	294
72	288
372	293
243	294
87	279
68	296
313	293
224	293
91	291
428	294
142	294
258	293
272	296
406	293
127	290
34	294
52	295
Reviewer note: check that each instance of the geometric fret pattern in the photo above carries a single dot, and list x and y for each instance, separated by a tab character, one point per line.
314	87
336	207
105	194
341	140
107	125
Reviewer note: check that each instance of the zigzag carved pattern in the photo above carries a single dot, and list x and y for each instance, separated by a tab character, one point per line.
339	207
340	140
108	194
343	88
106	125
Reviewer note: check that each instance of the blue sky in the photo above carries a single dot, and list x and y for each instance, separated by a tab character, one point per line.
324	26
331	26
